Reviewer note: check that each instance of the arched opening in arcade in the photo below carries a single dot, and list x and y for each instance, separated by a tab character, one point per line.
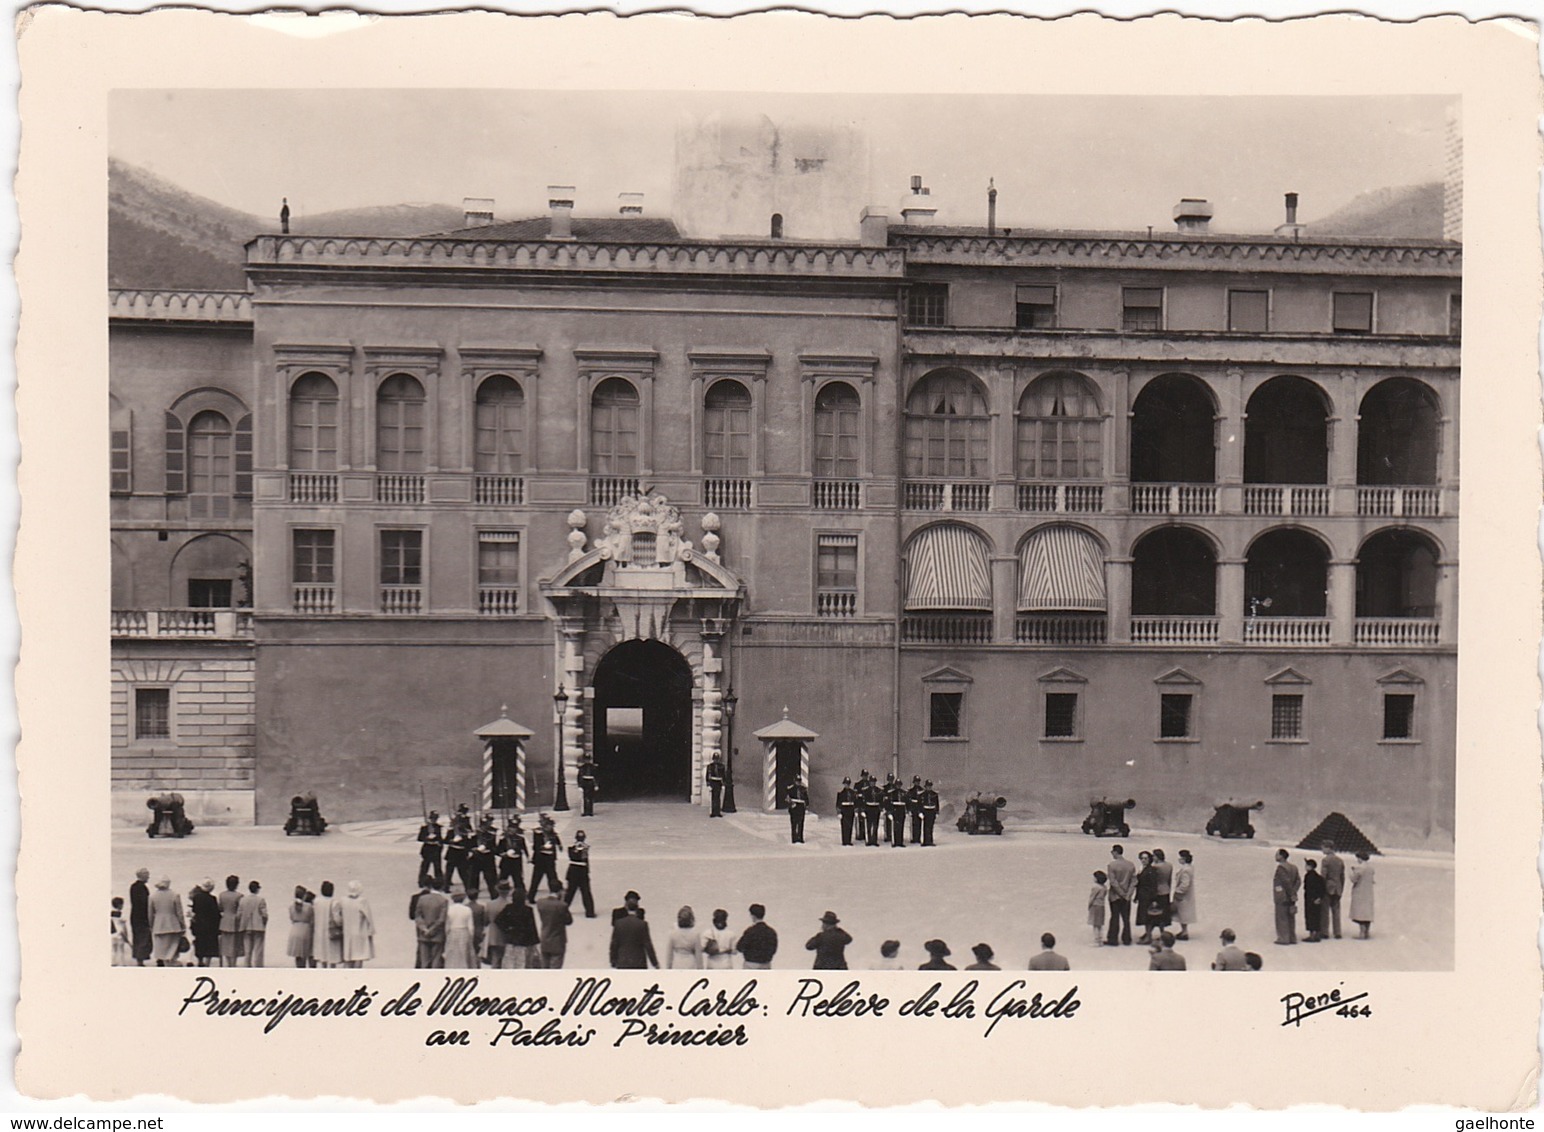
1398	434
1173	574
1173	432
1396	575
1286	575
643	723
1286	439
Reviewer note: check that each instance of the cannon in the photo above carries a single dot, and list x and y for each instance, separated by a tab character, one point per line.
980	815
305	817
1232	820
1108	819
168	817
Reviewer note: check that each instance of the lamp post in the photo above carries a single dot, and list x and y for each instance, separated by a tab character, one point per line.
730	700
560	789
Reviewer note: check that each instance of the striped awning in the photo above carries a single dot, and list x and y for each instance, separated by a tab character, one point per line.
1061	568
946	568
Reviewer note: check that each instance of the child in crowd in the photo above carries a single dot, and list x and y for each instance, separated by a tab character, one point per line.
890	956
122	952
1097	898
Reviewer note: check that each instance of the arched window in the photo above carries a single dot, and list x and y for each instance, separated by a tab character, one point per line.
1397	434
1061	568
614	429
837	410
947	427
1173	437
1396	576
313	424
500	426
1174	574
1285	436
726	430
211	466
399	425
947	569
1286	575
1059	430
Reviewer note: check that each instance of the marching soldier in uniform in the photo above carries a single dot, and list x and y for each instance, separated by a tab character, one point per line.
457	848
544	858
862	825
847	807
587	784
798	803
484	853
579	875
431	845
914	808
929	811
897	798
716	783
511	850
873	803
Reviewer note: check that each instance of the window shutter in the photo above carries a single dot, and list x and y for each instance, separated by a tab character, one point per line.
244	457
176	456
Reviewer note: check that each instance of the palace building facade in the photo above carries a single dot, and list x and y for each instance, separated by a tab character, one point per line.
1052	515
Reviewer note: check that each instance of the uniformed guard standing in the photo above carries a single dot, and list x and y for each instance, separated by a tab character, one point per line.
431	846
914	808
798	803
716	783
873	803
579	874
587	785
457	848
544	858
929	811
862	826
484	857
512	855
847	807
897	815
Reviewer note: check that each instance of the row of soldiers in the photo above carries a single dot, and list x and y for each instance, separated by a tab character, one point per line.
479	854
868	806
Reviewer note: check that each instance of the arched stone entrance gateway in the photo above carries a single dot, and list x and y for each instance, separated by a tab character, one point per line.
642	619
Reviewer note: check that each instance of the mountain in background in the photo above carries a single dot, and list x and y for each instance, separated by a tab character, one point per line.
1410	212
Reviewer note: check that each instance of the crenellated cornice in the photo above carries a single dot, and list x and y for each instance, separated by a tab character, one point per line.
179	306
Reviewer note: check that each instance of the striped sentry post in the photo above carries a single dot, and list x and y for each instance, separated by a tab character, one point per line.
769	778
519	776
487	778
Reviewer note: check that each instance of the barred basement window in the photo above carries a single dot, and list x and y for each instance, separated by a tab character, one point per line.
1141	308
1287	717
152	713
1035	308
1061	715
1398	715
927	304
1174	715
946	715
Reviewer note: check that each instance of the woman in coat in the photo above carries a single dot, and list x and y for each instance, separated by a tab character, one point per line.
1147	896
1313	901
358	926
302	915
327	933
206	923
460	934
1185	894
1361	895
166	924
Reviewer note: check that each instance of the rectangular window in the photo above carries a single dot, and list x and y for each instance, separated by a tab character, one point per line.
1141	308
1398	715
836	575
1455	315
1061	715
1174	715
945	715
152	713
498	558
209	593
927	304
314	557
1352	312
1249	311
1035	308
402	556
122	461
1287	717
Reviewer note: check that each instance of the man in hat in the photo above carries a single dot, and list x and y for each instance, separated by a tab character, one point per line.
431	846
929	811
544	858
898	805
587	786
937	957
1284	887
758	943
429	916
847	808
798	803
554	916
873	800
579	875
458	847
630	907
914	808
632	948
715	777
1333	870
1047	959
829	945
983	962
512	855
1231	957
862	820
484	855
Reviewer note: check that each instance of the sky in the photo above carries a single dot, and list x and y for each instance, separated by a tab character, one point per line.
1057	161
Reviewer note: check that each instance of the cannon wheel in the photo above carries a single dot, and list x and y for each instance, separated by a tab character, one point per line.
1249	832
1125	830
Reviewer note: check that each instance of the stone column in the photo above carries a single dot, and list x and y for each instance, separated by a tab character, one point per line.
1117	573
1342	425
1447	601
712	710
573	715
1230	601
1005	597
1342	601
1231	420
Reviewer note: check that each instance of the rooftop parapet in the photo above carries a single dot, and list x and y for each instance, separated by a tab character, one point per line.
180	306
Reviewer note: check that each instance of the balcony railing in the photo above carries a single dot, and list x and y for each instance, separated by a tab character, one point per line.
1290	631
1272	499
310	597
499	491
1174	630
836	603
208	624
1397	632
1399	502
399	487
1060	498
726	494
313	487
1174	498
947	628
498	601
402	599
1060	629
939	496
838	495
608	491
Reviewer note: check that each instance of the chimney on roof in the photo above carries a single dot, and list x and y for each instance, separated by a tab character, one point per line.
873	227
560	199
991	206
1192	214
1291	229
630	204
476	211
918	207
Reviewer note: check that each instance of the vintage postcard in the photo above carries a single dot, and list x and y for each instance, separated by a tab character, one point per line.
523	518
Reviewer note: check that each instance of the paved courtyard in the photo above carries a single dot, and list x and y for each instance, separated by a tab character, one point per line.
1002	890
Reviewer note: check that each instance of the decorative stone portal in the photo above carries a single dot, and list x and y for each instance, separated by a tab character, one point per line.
640	619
